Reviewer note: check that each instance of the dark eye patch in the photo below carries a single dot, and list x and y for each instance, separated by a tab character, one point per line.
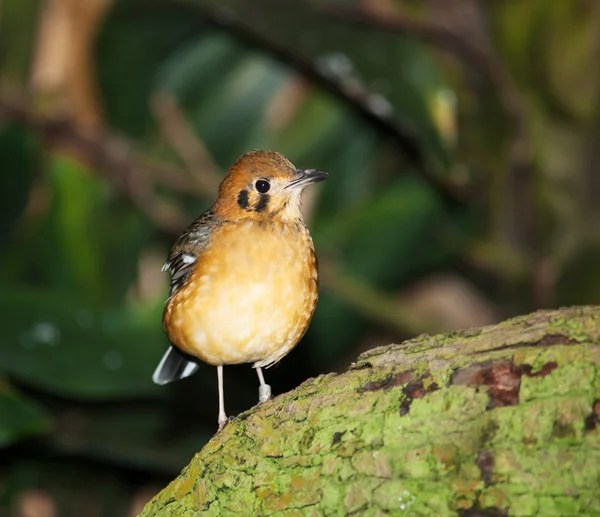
262	203
242	200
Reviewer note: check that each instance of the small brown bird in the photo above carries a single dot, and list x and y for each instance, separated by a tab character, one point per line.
243	275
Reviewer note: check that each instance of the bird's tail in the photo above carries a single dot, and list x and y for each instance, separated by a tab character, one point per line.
173	366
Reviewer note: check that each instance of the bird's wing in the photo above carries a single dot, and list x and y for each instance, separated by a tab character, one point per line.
188	248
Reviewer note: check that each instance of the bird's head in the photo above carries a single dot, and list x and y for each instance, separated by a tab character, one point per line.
262	185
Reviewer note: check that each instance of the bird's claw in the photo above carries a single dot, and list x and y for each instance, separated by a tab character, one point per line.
264	393
224	422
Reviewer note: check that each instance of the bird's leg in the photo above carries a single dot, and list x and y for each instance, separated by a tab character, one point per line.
264	390
222	416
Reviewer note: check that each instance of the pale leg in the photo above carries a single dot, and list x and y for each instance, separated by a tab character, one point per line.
264	390
222	416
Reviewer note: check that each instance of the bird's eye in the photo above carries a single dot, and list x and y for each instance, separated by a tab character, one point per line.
263	186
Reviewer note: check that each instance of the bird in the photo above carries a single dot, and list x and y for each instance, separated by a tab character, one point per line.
244	275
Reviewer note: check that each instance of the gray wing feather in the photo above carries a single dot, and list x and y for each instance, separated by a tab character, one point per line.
173	366
187	248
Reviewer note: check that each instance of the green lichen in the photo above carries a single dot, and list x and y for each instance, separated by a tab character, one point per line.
359	443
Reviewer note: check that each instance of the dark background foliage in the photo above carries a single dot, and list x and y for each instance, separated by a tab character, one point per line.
461	137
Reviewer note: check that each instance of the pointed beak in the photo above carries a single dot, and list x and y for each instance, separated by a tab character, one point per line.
304	177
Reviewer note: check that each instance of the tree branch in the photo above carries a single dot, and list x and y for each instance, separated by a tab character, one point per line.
445	425
176	130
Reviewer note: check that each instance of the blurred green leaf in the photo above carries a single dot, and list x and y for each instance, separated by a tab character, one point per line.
307	135
76	207
20	156
197	68
223	87
63	345
229	118
86	235
400	73
19	418
415	85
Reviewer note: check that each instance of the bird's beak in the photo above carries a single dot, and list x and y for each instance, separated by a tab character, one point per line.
304	177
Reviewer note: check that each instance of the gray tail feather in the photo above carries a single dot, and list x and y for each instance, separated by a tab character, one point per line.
173	366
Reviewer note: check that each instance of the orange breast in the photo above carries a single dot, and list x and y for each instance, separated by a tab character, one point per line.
250	298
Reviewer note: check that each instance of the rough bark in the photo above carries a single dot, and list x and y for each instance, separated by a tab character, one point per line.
503	420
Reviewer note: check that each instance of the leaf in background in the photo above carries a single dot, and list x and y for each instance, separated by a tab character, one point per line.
401	73
86	235
307	134
60	344
416	84
100	235
19	418
20	158
229	116
76	206
223	87
197	67
549	51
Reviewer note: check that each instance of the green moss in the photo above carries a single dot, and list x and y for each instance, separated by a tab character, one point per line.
571	377
332	448
359	494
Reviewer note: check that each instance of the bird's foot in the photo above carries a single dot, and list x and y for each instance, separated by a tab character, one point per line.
223	421
264	393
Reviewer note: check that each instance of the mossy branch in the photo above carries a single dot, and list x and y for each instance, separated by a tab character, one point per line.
496	421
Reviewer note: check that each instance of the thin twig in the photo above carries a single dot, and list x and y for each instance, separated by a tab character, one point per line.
181	137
